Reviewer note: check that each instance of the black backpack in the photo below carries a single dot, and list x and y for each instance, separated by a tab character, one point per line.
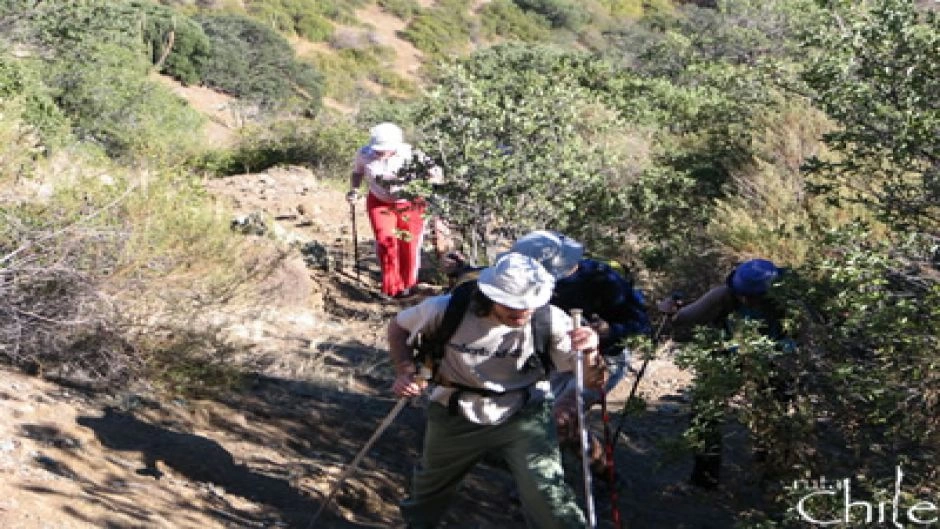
432	345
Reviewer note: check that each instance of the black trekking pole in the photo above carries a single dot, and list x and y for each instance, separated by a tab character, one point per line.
639	376
355	239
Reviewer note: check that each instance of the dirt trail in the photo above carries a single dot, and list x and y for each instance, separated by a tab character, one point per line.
267	455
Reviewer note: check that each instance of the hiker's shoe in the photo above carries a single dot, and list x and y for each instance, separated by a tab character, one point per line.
382	296
705	472
404	294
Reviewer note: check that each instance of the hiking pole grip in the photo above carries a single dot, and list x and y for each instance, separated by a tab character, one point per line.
591	518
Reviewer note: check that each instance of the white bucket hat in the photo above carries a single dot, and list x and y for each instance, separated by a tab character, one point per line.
516	281
557	253
386	137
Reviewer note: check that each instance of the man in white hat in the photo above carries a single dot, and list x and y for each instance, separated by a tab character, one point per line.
490	396
614	309
398	223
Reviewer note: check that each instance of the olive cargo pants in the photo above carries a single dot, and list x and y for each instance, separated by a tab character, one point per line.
526	442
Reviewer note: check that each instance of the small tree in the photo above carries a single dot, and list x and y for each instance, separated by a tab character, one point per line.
521	150
877	73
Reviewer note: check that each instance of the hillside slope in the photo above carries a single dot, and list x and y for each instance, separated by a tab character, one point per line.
267	455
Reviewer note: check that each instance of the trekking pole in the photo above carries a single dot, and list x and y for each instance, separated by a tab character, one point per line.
582	427
355	239
356	460
611	467
639	376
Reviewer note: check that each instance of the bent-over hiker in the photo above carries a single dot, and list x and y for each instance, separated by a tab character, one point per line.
398	223
744	294
612	307
489	394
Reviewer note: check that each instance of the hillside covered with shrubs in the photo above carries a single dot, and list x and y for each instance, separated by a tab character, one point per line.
680	138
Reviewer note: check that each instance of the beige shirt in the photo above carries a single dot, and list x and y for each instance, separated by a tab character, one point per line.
485	354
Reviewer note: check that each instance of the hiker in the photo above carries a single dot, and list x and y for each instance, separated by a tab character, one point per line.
612	307
398	223
489	394
744	295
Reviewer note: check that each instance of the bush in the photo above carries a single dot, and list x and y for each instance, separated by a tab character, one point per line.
503	18
560	13
113	104
443	29
190	46
403	9
327	144
23	95
253	62
110	279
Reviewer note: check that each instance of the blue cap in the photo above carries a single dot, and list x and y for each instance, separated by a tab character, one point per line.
754	277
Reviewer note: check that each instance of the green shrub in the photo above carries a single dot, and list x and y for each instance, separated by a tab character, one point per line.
253	62
503	18
327	144
314	28
403	9
190	46
443	29
104	89
560	13
22	90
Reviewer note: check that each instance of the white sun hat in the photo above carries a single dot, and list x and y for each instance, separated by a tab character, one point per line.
386	137
557	253
516	281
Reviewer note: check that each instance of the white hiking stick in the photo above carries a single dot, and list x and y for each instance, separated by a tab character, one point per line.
356	460
582	429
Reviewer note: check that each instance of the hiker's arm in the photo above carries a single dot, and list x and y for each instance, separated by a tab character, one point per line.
712	306
355	178
406	384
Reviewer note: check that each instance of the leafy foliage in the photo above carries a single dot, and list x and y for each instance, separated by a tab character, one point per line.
323	143
441	30
253	62
522	147
877	73
504	18
560	13
176	42
22	90
113	104
403	9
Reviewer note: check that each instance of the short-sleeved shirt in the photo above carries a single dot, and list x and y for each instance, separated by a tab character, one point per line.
485	354
381	174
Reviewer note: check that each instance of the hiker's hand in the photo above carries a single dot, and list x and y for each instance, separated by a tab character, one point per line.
408	385
595	370
601	327
583	339
565	413
352	196
435	175
668	306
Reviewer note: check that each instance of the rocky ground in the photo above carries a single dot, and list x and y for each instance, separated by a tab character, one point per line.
267	456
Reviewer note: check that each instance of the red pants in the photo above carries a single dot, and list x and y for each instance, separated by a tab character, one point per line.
399	229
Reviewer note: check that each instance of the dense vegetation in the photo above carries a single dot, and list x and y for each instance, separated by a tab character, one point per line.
679	138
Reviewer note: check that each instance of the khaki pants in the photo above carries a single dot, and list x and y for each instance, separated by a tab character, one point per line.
526	443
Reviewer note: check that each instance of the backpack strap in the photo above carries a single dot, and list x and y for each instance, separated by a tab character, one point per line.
433	345
542	336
